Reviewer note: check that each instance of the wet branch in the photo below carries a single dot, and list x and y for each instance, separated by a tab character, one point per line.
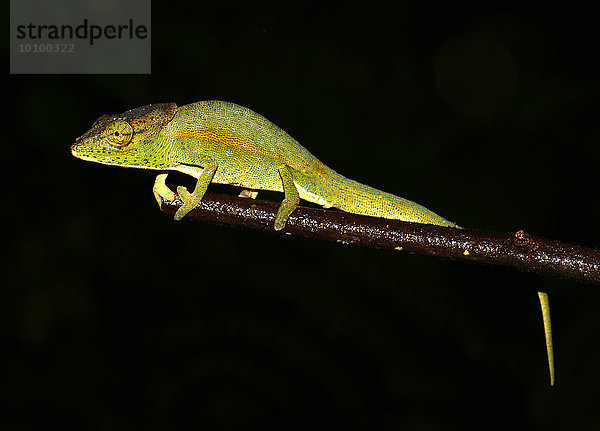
518	250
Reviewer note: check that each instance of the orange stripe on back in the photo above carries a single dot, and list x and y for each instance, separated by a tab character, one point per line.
217	137
227	140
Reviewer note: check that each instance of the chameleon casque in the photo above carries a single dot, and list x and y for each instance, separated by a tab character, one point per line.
222	142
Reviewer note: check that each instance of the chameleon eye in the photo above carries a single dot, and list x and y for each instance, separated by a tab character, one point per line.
119	133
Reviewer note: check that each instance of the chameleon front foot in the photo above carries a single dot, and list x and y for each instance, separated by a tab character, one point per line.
161	191
192	200
189	202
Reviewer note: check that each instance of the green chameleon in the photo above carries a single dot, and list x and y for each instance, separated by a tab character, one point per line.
225	143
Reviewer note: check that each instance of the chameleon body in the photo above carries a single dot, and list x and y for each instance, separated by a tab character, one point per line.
225	143
222	142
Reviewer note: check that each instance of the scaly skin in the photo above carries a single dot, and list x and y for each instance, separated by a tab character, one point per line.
225	143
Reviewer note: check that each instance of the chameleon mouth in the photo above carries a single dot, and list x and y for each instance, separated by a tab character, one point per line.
76	151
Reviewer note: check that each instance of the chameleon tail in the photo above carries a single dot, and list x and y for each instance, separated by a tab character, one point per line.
354	197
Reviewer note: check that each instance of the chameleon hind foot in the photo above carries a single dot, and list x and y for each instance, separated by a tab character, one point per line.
248	194
291	198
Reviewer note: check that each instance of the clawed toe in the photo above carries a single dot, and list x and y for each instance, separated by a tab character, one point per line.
183	193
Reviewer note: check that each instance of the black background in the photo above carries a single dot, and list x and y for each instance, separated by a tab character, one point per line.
117	317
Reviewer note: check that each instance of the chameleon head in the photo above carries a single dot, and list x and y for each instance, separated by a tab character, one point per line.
126	139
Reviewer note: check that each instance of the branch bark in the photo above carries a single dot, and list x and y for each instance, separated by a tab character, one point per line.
518	250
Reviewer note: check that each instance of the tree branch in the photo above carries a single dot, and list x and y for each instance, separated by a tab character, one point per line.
518	250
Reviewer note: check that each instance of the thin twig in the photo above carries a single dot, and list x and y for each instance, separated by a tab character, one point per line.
519	250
